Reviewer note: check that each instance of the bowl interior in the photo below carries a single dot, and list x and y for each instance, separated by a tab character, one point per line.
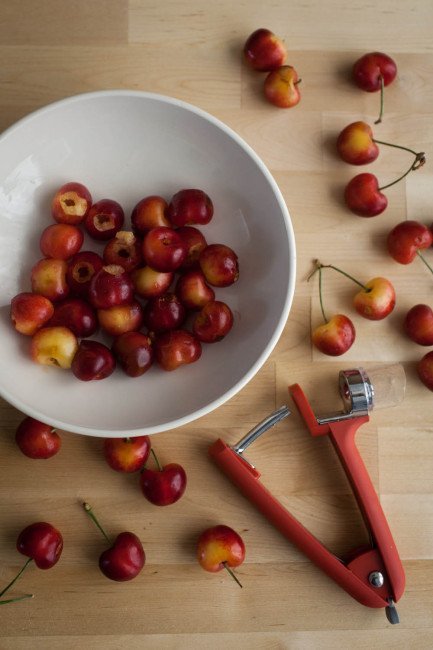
125	145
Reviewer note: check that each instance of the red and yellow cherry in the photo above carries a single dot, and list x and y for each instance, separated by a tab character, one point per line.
120	319
163	249
134	353
165	484
48	278
61	241
77	315
193	291
364	197
164	313
371	68
149	283
124	249
406	239
219	264
105	218
335	336
127	454
54	346
372	72
125	557
220	547
356	145
176	348
110	286
71	203
376	299
213	322
93	361
190	207
264	51
81	269
425	370
29	312
150	212
195	243
42	543
418	324
37	439
282	87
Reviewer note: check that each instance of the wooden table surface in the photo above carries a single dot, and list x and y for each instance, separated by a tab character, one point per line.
191	50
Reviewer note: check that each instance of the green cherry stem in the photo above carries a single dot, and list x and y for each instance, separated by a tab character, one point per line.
417	163
347	275
155	458
382	86
12	582
232	573
15	600
397	146
89	512
421	256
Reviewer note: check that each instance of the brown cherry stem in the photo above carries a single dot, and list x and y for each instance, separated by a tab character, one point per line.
15	600
232	573
12	582
382	86
421	256
318	267
155	458
417	163
347	275
89	512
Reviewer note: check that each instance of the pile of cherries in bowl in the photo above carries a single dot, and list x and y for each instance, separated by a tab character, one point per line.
139	291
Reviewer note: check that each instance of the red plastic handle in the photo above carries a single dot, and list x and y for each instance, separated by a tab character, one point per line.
342	435
353	580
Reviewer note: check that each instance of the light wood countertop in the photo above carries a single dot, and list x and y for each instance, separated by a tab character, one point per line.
192	51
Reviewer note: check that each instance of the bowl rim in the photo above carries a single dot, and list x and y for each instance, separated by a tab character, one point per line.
266	352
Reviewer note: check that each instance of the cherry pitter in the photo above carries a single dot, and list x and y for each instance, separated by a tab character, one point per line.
374	575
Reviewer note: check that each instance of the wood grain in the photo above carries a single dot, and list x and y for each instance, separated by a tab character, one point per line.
191	50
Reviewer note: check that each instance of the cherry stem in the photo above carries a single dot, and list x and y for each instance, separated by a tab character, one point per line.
418	162
396	146
331	266
155	458
297	82
320	295
382	85
16	577
232	573
421	256
89	512
15	600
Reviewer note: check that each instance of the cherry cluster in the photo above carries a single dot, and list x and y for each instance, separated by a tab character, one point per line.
357	145
217	548
266	52
158	274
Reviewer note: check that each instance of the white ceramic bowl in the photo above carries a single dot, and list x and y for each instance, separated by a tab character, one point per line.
126	145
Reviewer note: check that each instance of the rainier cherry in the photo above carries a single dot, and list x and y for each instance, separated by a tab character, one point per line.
407	239
372	72
71	203
134	352
104	219
264	51
418	324
190	207
176	348
375	300
336	335
93	360
220	547
127	454
282	87
54	346
29	312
